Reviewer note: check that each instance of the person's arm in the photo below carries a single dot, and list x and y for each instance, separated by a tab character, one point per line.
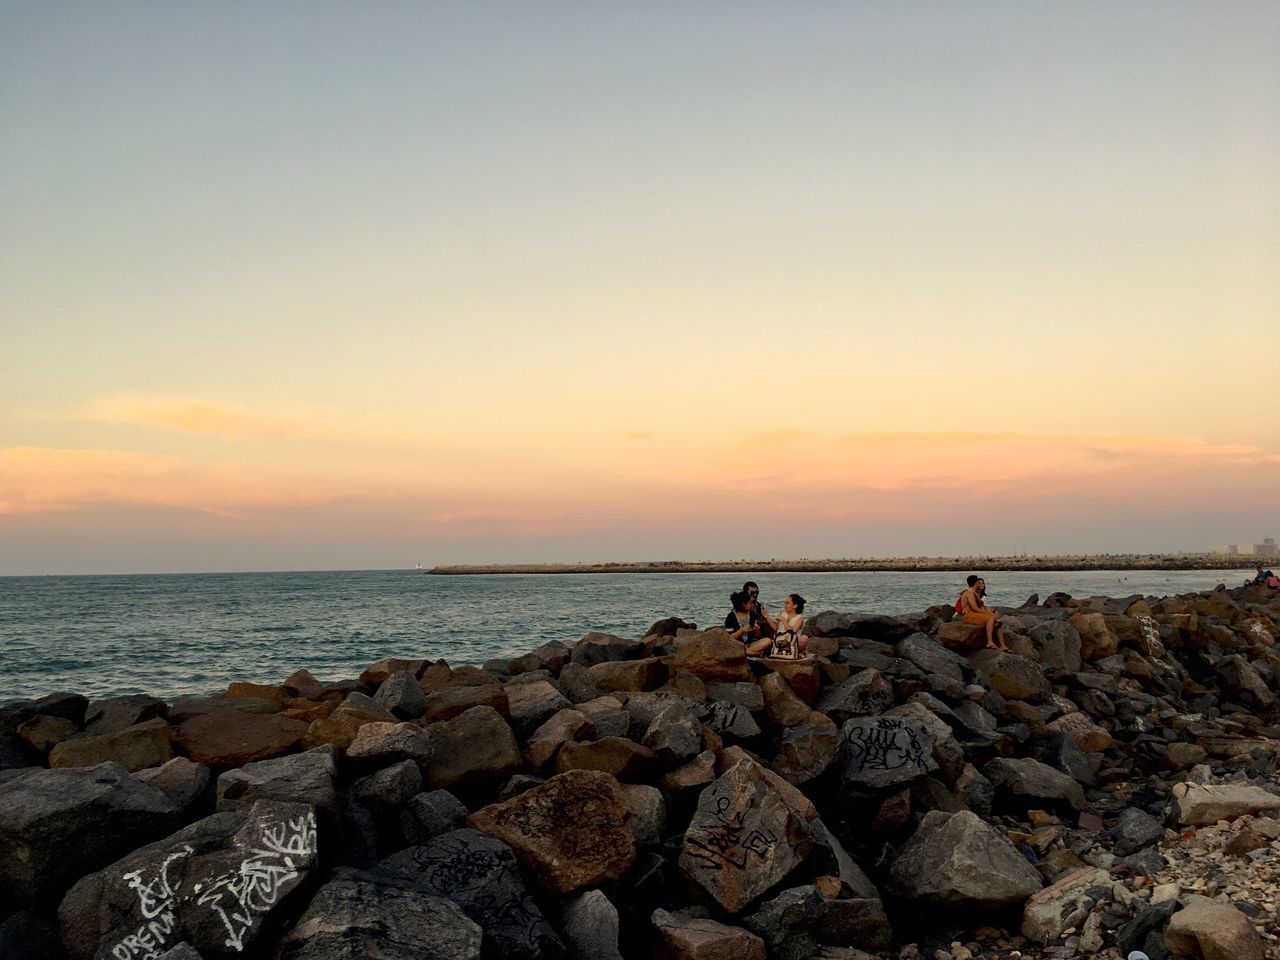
966	602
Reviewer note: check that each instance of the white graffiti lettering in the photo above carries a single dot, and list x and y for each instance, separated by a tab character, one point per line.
156	903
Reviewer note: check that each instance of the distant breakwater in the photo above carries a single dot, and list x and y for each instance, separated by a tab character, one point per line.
1028	564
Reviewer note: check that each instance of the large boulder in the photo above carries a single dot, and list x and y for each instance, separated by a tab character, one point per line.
1244	682
1045	912
355	915
184	782
628	675
563	727
932	657
807	749
400	695
591	927
1058	645
744	838
619	757
382	743
881	753
114	714
864	694
231	738
1097	639
1088	736
713	656
476	748
958	860
674	735
1021	782
1018	678
605	647
1201	804
56	825
480	874
681	936
533	704
147	744
864	626
214	885
1214	931
445	703
573	831
308	778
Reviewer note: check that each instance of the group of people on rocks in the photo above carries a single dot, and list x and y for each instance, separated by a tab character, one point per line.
750	623
763	635
1264	577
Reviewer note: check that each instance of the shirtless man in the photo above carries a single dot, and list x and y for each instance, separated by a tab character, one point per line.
975	612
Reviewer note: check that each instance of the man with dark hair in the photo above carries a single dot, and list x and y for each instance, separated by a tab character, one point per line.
759	615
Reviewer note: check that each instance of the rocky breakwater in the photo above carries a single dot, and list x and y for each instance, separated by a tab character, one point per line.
1108	785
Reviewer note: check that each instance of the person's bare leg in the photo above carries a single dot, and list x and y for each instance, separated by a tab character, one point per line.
991	628
759	648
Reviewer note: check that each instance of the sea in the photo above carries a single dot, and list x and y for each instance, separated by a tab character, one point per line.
184	635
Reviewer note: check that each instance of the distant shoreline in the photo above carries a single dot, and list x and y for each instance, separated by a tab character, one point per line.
1048	564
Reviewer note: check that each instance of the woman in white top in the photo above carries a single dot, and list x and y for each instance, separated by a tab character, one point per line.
790	619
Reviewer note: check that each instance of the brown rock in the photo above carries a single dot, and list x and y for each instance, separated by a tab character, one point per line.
436	676
1214	931
384	742
782	707
713	656
682	937
42	733
309	710
146	745
801	805
301	683
563	727
445	703
1088	736
803	676
698	772
682	683
376	673
807	749
1097	639
619	757
474	748
628	675
1013	676
257	690
1245	842
572	832
531	704
341	726
962	636
229	738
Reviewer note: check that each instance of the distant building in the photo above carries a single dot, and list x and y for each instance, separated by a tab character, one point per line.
1267	548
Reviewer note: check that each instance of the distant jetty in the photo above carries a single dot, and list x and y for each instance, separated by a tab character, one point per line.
1125	561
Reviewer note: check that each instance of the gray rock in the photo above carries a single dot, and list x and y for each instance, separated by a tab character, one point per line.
742	693
69	706
591	927
744	838
430	814
1023	782
308	778
184	782
805	752
863	694
389	789
578	684
1015	677
880	753
731	720
56	825
788	923
401	695
476	748
213	884
119	713
1058	644
533	704
830	859
480	874
380	743
596	648
355	915
42	733
674	735
1202	804
870	627
650	810
932	657
1066	756
609	716
958	860
1134	830
1245	682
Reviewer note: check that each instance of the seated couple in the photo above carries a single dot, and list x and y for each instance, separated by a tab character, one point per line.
750	624
1264	578
972	606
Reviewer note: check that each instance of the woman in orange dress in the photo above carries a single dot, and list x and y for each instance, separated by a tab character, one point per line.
975	612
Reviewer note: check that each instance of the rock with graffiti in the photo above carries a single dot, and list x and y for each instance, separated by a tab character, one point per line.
880	753
212	885
744	837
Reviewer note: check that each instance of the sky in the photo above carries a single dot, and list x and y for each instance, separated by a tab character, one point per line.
313	285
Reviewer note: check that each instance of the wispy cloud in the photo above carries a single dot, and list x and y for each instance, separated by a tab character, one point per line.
237	421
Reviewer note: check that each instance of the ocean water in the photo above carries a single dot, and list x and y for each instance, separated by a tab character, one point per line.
192	634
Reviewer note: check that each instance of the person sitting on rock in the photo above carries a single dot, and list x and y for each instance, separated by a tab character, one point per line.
970	580
791	620
1264	577
742	624
975	612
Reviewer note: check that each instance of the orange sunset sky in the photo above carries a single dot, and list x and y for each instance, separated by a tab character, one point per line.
325	286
